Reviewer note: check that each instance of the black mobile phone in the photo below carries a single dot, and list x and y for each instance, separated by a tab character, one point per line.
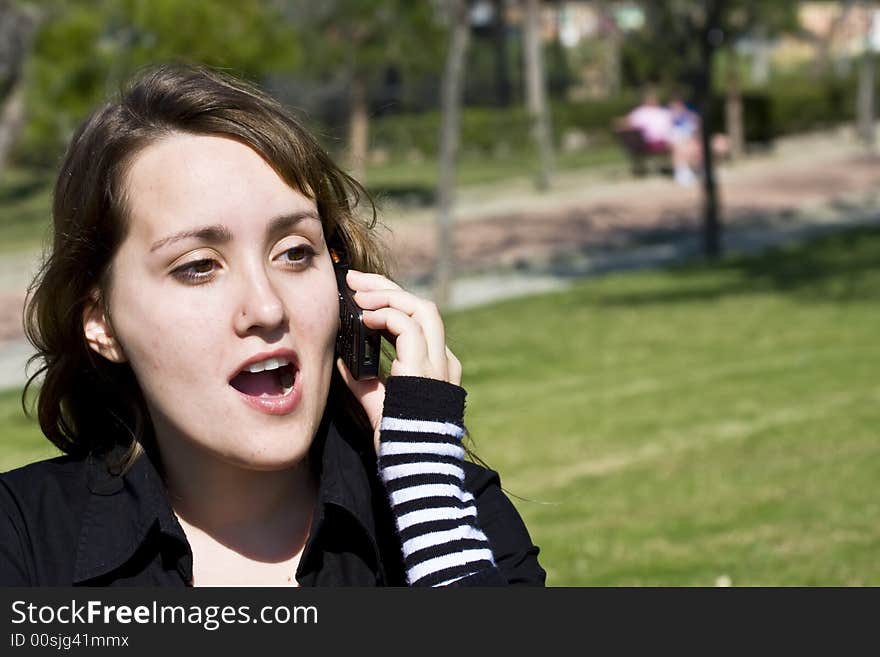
355	343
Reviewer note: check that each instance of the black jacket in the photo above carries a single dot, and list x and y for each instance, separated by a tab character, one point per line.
68	521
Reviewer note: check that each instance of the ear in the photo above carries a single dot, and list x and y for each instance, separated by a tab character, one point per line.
99	333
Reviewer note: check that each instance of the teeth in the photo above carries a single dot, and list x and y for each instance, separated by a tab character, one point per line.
268	364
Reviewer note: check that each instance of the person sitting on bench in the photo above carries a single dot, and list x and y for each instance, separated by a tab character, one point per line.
674	130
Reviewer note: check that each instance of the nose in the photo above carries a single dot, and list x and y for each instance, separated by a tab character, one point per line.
259	307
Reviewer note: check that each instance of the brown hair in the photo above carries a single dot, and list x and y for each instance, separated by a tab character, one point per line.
88	404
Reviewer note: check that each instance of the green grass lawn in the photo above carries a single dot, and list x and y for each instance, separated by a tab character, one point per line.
672	428
25	209
20	436
419	179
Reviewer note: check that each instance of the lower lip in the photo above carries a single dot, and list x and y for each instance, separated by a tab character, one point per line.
279	405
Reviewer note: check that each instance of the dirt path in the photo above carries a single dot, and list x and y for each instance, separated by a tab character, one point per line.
825	178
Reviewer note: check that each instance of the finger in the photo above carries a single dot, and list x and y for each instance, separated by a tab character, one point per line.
410	344
453	365
408	336
423	311
359	280
397	298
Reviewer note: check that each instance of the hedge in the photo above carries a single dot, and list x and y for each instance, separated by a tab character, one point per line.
787	107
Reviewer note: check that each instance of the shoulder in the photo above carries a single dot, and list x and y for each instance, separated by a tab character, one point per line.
515	553
478	479
61	477
47	488
40	508
636	113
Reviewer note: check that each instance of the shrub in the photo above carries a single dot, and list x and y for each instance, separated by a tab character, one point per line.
789	106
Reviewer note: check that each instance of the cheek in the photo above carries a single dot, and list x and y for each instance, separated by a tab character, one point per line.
315	316
173	337
164	338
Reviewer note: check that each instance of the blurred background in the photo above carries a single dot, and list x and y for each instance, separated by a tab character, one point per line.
653	228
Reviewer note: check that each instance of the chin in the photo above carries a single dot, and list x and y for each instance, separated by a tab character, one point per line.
269	461
278	448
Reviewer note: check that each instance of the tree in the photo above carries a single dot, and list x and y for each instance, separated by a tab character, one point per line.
536	94
666	52
758	20
679	43
361	40
85	49
17	26
453	83
824	42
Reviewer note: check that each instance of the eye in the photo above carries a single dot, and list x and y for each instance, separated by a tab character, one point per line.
297	256
198	271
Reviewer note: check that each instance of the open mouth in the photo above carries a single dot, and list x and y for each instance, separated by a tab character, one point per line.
276	382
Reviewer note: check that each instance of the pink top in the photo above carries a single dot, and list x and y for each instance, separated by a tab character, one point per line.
654	122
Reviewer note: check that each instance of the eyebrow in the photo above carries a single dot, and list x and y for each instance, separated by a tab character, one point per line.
220	234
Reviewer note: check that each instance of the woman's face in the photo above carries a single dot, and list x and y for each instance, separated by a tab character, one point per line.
224	268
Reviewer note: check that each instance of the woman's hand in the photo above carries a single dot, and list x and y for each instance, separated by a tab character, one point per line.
415	328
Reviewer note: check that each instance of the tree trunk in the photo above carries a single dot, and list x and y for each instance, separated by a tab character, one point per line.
711	218
17	28
825	42
451	93
759	71
359	129
866	108
613	63
11	121
733	107
612	46
502	69
536	95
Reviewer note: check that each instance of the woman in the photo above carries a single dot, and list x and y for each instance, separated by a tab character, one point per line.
186	320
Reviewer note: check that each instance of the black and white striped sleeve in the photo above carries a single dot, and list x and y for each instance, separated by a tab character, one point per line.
420	457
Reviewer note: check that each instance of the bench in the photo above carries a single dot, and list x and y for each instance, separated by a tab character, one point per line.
639	154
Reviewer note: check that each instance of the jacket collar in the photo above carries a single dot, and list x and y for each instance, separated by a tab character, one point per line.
123	509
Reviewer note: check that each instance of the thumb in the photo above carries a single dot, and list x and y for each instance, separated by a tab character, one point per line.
370	393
